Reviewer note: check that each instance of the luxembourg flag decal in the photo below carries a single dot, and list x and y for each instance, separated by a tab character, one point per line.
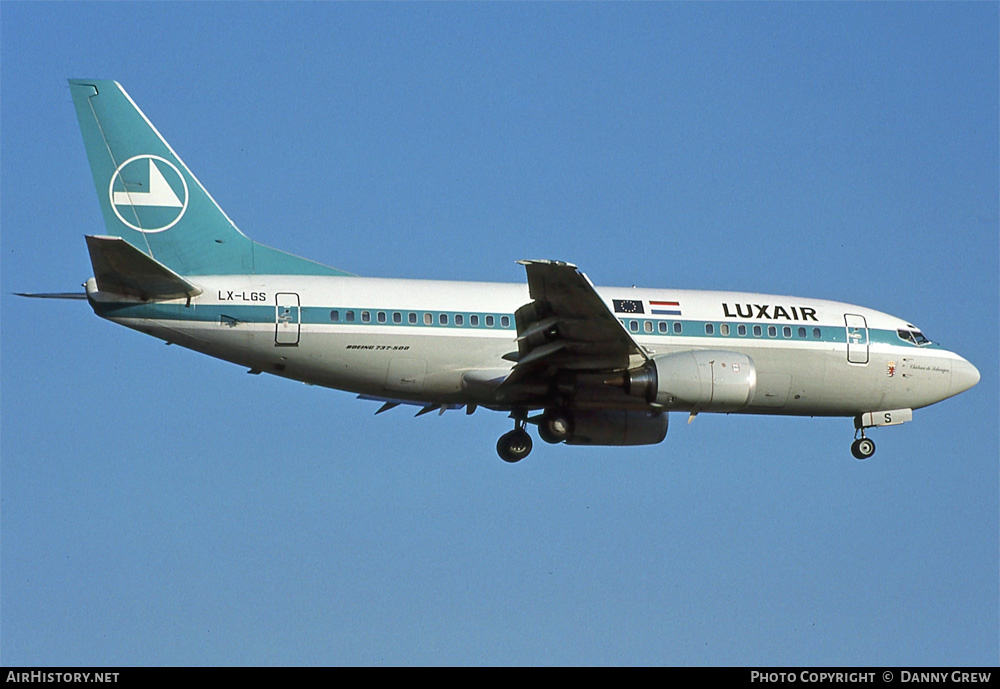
665	308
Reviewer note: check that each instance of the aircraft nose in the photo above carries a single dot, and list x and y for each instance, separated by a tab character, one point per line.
963	376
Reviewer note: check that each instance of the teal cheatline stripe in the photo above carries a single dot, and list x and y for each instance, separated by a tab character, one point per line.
342	317
312	315
150	198
178	312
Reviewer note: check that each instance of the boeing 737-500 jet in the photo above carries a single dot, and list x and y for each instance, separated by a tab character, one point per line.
587	365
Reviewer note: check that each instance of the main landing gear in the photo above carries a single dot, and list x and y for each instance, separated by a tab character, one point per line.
515	445
862	448
554	426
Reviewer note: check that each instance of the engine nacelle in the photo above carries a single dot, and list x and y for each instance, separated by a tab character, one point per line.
696	380
617	427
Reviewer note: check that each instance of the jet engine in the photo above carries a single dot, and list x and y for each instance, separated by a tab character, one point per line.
617	427
696	380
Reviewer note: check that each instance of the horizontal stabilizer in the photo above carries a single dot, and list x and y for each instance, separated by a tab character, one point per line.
121	268
53	295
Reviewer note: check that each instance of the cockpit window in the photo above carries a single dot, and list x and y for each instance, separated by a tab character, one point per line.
913	337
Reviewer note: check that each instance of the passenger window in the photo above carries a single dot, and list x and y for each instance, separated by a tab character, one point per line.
786	332
709	329
678	328
802	333
772	331
459	319
349	316
633	326
397	317
817	333
724	329
412	318
474	321
647	326
335	315
742	330
428	319
490	321
443	319
366	316
381	316
504	321
663	326
757	331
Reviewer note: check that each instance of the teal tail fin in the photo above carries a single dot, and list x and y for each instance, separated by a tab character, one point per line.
151	199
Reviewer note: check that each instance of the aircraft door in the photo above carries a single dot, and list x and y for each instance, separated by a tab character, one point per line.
287	319
857	338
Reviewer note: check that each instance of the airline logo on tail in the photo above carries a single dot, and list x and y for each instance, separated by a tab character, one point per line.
148	193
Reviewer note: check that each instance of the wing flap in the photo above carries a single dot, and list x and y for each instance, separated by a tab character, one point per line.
566	329
566	309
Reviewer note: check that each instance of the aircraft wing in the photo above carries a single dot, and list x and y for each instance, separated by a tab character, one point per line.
566	327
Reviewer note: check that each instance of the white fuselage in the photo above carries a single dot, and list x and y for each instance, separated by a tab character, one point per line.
427	341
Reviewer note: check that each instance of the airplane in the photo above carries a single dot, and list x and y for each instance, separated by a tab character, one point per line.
586	365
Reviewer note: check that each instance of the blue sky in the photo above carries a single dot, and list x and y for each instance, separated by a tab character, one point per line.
161	507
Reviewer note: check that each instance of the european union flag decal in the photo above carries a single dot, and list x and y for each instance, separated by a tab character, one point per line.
627	306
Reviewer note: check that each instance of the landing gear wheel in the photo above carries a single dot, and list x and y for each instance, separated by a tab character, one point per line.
555	427
862	448
514	445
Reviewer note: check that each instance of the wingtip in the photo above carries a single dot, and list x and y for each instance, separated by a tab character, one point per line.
545	261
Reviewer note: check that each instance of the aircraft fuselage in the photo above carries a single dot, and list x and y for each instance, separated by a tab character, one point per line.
419	340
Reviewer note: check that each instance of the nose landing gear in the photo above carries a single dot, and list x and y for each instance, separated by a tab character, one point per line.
862	448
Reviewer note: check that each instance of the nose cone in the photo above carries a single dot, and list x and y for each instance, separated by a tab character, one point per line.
963	376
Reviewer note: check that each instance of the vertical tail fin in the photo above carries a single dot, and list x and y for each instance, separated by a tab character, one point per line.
151	199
